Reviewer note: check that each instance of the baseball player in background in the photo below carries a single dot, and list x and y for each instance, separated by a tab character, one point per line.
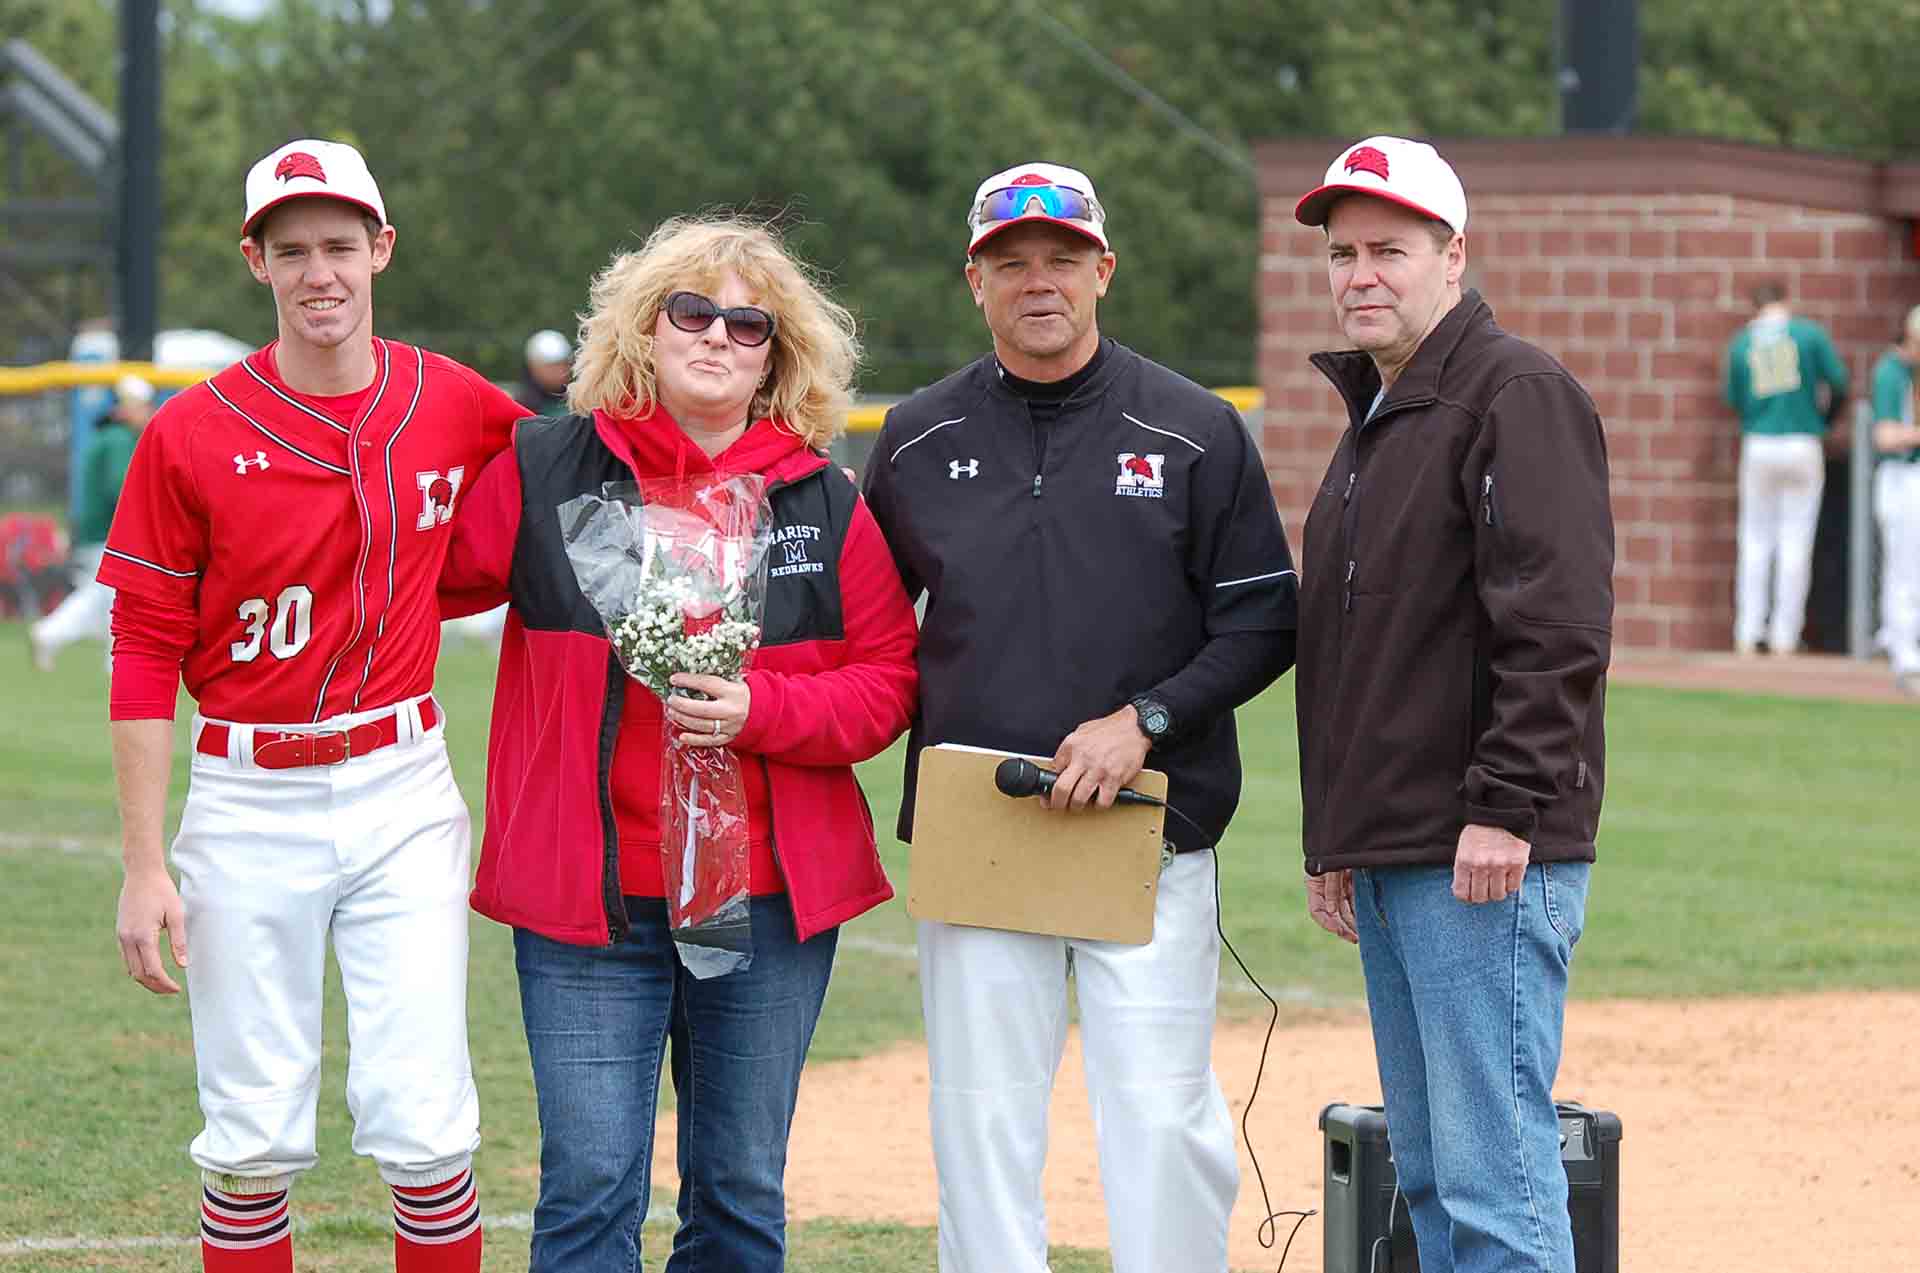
1777	365
1896	500
277	545
86	611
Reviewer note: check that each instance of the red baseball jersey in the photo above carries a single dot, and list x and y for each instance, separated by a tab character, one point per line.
307	543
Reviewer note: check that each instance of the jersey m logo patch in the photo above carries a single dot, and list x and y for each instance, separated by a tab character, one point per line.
1142	476
437	491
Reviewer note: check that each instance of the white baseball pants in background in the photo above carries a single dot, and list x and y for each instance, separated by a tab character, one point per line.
1896	506
996	1017
1781	476
374	852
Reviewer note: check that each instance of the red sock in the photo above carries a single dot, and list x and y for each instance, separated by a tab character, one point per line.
436	1228
245	1232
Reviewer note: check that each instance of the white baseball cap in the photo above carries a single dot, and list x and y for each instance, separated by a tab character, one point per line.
1409	173
132	389
548	345
310	167
1035	192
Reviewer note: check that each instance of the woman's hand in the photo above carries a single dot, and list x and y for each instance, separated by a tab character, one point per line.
714	721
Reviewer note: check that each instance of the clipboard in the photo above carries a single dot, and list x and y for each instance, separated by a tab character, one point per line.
989	860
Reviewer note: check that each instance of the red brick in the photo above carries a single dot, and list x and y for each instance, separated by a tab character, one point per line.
1585	364
1675	445
1642	548
1866	245
1602	243
1706	550
1625	364
1637	631
1600	324
1554	324
1893	287
1629	589
1554	245
1650	244
1701	633
1712	325
1720	244
1581	283
1679	368
1629	284
1646	408
1686	285
1281	283
1629	505
1841	286
1793	245
1646	324
1684	592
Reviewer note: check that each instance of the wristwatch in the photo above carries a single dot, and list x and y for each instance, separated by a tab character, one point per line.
1156	722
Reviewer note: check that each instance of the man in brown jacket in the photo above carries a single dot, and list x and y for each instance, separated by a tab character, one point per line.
1455	612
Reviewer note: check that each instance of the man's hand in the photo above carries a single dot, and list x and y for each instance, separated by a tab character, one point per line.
148	903
1098	759
1330	902
1489	864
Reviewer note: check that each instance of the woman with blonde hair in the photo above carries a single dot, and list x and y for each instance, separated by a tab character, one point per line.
710	350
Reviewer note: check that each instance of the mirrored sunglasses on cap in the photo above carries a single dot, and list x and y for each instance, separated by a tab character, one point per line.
1061	202
747	325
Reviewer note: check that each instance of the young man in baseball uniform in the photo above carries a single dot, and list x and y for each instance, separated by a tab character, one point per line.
276	545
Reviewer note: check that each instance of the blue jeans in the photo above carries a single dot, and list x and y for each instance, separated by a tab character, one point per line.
598	1023
1467	1003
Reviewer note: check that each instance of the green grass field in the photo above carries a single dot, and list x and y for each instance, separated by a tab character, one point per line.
1751	845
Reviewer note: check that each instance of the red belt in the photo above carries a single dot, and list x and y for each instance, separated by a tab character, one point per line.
297	749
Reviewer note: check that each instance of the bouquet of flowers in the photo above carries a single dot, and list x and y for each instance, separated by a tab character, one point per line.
677	572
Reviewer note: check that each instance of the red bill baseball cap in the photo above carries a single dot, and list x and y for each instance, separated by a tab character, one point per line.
1409	173
309	168
1035	192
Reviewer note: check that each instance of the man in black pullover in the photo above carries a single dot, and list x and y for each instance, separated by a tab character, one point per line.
1106	581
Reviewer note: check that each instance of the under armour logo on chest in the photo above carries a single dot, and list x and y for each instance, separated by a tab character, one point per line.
241	463
956	470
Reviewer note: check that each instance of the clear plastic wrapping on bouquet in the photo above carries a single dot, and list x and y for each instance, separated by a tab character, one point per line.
677	570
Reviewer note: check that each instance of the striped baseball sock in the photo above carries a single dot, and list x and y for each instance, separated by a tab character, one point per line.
245	1232
436	1228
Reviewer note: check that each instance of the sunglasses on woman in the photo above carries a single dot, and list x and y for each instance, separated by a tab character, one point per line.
747	325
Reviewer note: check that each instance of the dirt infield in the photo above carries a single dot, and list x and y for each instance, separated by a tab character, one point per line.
1759	1135
1794	676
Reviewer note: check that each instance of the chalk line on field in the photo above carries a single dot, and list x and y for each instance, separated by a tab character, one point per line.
512	1221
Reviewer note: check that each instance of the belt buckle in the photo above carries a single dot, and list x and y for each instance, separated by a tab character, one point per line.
322	747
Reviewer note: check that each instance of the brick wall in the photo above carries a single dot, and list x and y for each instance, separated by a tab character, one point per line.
1637	292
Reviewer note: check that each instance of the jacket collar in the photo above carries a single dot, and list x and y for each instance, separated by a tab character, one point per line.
654	445
1354	375
1118	358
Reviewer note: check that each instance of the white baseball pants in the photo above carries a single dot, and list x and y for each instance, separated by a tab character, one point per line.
376	853
996	1017
1781	476
1896	506
86	613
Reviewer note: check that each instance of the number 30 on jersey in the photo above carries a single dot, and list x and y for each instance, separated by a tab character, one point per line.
285	626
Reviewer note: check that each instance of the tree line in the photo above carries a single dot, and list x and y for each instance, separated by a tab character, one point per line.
520	142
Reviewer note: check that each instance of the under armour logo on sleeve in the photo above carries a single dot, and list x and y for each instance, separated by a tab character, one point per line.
241	463
956	470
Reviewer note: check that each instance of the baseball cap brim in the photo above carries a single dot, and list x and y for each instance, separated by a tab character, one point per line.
995	227
254	220
1315	204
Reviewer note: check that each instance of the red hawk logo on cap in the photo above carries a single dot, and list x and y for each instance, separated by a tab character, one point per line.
1031	179
299	164
1368	159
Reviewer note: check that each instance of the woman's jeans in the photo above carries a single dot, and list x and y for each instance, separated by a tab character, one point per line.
1467	1002
598	1024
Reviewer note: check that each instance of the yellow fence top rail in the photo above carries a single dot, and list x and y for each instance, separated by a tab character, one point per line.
70	375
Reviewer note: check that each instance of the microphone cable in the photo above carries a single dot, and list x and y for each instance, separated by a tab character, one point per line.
1269	1230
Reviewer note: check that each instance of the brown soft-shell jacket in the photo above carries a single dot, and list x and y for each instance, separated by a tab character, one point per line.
1456	606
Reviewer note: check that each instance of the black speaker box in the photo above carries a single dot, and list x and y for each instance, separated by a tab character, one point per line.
1367	1224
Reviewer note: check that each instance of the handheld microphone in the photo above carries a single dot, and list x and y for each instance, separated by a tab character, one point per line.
1016	776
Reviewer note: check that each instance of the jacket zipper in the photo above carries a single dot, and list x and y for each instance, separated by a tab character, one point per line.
1489	511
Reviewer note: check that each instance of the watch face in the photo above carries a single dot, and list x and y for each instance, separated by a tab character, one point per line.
1154	720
